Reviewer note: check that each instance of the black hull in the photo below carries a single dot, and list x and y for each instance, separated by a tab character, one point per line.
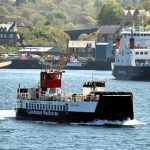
140	73
63	117
118	107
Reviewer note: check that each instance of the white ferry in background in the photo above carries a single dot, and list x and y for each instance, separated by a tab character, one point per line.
47	102
132	55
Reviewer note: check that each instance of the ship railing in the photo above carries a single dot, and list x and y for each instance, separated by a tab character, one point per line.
91	98
42	97
85	98
69	97
22	95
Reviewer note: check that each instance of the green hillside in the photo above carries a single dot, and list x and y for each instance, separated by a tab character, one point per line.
65	14
46	19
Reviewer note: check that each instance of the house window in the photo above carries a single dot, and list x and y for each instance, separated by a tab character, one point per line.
5	35
11	35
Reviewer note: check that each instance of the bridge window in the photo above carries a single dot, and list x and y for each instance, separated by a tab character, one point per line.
37	106
43	106
40	106
50	77
146	53
34	106
64	107
60	107
57	76
141	53
52	107
26	105
46	107
29	106
137	53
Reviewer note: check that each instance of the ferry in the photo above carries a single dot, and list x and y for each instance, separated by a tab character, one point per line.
132	55
47	102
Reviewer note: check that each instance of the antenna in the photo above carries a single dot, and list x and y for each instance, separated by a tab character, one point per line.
133	27
142	21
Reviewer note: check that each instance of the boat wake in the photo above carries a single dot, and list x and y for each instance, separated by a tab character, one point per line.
4	114
7	114
112	123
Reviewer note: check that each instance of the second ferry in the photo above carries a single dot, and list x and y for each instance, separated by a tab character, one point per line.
132	55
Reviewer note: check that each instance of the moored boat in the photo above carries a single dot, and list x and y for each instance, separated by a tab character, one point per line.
132	55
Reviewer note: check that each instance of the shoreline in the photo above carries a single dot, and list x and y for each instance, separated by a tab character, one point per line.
5	63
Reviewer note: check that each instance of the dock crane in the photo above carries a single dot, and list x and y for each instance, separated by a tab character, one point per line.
64	61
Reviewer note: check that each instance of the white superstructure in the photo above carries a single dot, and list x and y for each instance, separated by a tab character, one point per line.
135	52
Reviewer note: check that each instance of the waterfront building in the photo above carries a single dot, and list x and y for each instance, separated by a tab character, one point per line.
108	34
82	48
8	35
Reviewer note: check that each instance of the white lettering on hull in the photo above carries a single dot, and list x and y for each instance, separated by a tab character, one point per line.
40	112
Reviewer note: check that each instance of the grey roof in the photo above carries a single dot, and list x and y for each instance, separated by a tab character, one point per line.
108	29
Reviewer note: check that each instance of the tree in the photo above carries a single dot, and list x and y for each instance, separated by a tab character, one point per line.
145	5
97	3
110	14
88	37
45	35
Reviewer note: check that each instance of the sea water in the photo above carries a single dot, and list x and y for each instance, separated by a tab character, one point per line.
96	135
